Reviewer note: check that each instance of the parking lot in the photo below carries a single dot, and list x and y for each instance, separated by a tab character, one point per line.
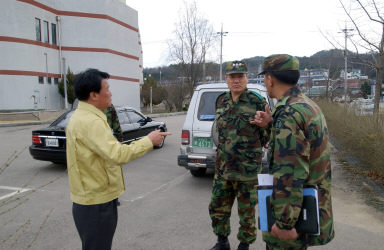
163	207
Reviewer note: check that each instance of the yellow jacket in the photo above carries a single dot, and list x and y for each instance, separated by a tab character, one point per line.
94	157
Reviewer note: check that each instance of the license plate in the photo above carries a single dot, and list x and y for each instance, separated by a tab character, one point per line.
202	142
49	142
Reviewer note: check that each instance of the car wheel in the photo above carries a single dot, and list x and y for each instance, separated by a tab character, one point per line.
199	172
162	143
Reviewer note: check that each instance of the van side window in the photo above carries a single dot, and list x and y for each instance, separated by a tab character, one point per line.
207	109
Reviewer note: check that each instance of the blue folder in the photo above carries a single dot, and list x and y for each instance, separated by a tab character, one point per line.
309	220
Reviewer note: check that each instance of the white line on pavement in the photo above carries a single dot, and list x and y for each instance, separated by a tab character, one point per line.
156	189
15	189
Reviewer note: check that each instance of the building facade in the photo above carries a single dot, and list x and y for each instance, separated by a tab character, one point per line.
36	37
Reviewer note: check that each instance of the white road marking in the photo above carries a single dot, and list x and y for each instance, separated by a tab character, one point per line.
179	178
15	189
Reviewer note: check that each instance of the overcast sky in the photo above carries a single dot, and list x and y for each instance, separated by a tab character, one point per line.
255	27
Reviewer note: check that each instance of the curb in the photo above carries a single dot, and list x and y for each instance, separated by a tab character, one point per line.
13	124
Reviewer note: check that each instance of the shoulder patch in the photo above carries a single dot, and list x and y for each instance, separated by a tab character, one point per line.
219	97
257	94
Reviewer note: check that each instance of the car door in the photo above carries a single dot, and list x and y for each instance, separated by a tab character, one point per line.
136	128
126	126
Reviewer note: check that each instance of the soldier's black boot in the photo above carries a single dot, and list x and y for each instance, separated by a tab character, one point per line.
243	246
222	244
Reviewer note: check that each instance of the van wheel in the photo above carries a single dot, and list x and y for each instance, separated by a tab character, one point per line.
200	172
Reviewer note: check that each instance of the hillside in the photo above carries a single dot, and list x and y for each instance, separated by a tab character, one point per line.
328	59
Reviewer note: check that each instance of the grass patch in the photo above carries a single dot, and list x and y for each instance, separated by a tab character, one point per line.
376	203
359	136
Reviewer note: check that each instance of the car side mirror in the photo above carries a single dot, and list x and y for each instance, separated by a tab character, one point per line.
142	122
148	119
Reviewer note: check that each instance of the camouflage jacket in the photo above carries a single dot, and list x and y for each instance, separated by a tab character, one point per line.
300	156
239	151
113	122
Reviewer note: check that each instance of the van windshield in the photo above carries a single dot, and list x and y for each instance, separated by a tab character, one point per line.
207	109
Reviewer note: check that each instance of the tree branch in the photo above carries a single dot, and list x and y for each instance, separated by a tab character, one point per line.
367	13
357	27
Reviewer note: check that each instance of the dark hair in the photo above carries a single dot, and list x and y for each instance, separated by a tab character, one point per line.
87	82
286	76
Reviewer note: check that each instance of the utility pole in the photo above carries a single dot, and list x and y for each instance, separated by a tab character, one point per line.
204	69
151	98
345	31
46	70
221	51
65	85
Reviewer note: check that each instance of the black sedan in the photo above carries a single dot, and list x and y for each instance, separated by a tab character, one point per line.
48	144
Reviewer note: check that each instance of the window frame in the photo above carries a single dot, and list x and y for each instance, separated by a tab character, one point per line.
38	29
54	33
201	104
46	31
40	79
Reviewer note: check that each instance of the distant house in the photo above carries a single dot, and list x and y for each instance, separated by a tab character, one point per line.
351	83
313	77
36	35
353	74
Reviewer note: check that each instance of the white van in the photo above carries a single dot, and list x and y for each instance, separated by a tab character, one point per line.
198	149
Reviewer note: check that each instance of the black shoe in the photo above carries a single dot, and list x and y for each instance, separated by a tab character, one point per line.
243	246
222	244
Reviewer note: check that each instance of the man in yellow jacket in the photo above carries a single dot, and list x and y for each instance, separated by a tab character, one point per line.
94	159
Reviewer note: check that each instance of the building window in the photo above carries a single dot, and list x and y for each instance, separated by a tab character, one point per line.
41	79
46	31
38	29
49	80
53	32
56	80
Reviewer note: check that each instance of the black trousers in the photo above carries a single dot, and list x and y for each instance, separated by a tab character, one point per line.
96	224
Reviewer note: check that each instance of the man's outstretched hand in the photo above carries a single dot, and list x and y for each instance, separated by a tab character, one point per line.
157	137
262	118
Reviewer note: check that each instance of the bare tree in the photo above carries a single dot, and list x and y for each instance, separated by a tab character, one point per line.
194	37
367	18
175	97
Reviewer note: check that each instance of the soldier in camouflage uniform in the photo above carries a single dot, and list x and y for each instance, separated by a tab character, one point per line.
113	122
238	160
299	156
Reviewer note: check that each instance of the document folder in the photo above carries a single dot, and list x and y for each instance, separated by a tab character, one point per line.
308	221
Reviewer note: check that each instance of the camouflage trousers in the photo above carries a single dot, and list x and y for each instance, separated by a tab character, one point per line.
223	196
274	243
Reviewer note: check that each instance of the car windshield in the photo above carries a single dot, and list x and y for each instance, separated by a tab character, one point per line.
207	109
63	120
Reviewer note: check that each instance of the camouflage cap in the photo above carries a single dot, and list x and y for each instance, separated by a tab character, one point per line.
236	67
280	62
